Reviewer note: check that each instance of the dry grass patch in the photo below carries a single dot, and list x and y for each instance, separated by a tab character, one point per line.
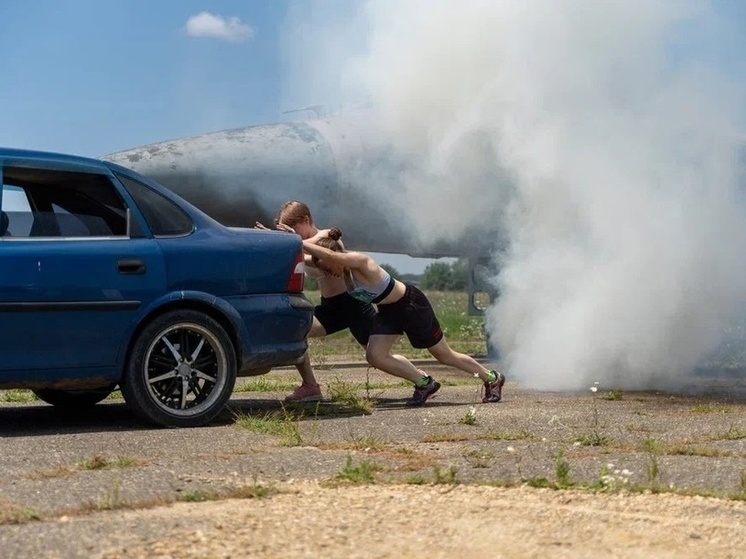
448	438
733	434
712	408
101	462
54	473
10	513
510	436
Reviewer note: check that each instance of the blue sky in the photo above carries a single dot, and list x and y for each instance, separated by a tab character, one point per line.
92	77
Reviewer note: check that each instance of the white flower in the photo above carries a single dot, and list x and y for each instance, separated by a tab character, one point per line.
510	449
594	388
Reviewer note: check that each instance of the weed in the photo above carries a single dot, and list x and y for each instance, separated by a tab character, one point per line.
197	496
445	477
418	479
689	450
742	486
262	384
346	394
13	514
100	462
320	356
470	418
479	458
282	424
362	473
734	433
517	458
446	437
652	445
510	436
254	490
712	408
367	442
612	395
113	498
593	439
653	470
562	469
611	478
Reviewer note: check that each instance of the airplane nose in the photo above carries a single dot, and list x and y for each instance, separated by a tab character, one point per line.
242	176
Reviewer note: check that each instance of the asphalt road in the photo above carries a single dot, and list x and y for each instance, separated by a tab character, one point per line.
56	467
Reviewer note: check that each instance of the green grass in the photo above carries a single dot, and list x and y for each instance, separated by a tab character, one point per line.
359	473
17	395
280	424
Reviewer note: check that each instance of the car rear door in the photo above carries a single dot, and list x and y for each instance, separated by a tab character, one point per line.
76	269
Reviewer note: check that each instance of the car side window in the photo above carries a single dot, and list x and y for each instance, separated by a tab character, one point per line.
164	217
16	215
51	203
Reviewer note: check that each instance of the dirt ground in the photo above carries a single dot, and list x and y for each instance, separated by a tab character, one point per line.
610	474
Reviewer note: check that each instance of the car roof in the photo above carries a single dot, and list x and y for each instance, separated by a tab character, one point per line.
52	157
90	164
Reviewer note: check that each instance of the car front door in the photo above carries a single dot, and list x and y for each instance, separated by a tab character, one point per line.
75	273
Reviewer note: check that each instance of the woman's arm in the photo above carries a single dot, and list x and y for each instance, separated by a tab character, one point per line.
351	260
322	233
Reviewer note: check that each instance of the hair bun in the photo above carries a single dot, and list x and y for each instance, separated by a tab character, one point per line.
335	234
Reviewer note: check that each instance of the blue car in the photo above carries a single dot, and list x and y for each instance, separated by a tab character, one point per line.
108	279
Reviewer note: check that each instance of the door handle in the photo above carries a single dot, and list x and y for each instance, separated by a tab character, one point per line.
132	266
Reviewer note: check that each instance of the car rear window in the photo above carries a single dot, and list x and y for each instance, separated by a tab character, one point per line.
164	217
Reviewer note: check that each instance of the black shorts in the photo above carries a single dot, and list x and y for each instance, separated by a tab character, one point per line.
344	311
412	315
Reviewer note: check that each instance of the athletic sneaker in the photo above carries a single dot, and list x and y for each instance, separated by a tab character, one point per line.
421	395
305	393
493	391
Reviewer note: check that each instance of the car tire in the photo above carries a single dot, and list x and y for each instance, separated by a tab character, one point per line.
73	399
181	370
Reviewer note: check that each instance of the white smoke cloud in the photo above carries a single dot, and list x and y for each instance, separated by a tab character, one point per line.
610	164
215	26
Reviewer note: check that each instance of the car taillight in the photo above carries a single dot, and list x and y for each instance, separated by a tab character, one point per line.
297	276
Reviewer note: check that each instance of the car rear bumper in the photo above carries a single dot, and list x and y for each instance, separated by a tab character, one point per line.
274	328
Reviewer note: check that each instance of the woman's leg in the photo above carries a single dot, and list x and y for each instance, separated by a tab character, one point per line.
446	355
493	380
309	390
378	354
